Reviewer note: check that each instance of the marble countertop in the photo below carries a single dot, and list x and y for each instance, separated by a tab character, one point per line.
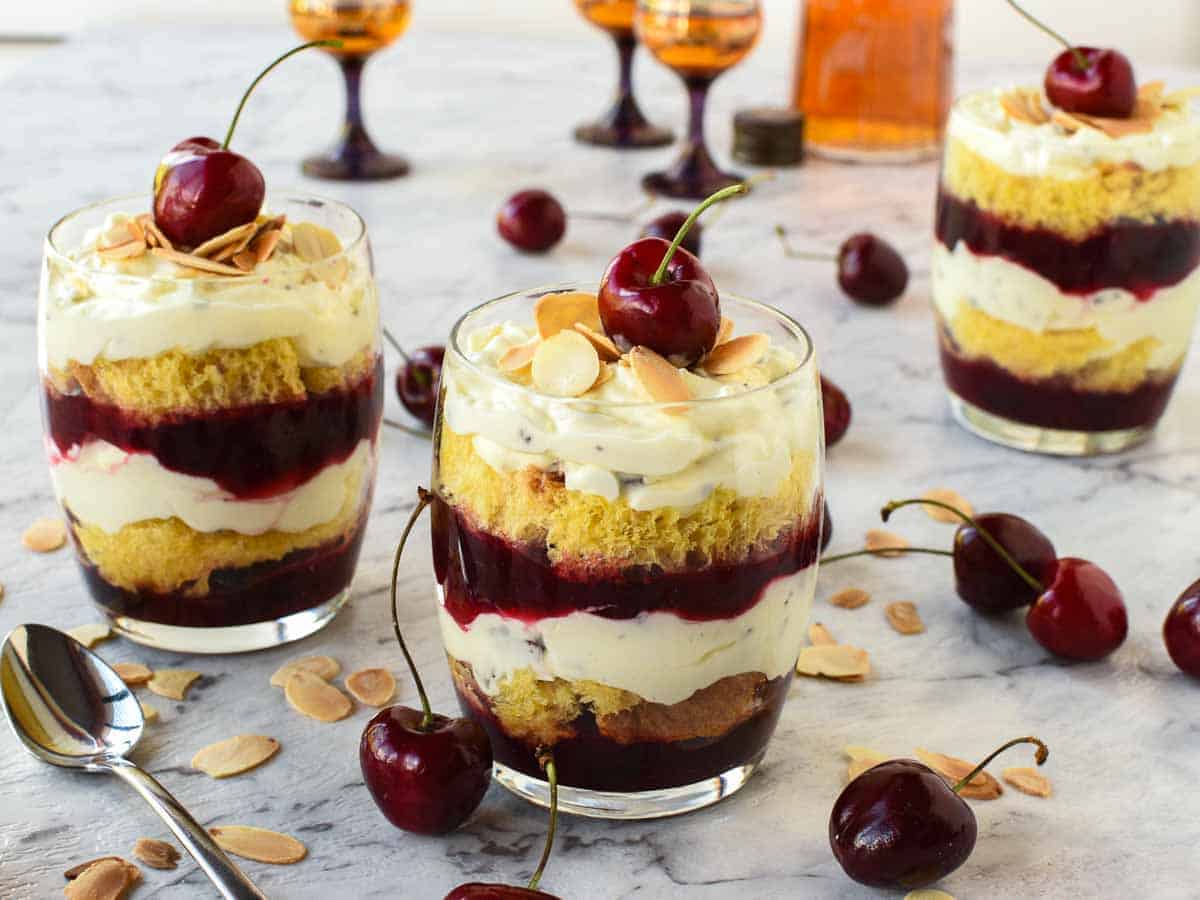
480	118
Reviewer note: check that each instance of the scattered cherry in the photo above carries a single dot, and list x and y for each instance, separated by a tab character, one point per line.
870	271
426	772
1081	615
1181	631
532	220
667	226
655	294
899	825
836	408
983	579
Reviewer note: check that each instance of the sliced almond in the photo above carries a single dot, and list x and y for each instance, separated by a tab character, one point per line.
604	345
149	711
136	231
565	365
605	376
850	598
324	667
199	263
658	378
79	868
373	687
833	661
156	854
245	260
928	894
880	541
127	250
315	697
133	674
556	312
258	844
235	755
1152	91
1025	106
950	498
903	617
108	879
861	759
736	354
45	535
517	358
982	787
820	636
1028	781
91	634
264	244
1068	122
234	236
172	683
724	332
154	235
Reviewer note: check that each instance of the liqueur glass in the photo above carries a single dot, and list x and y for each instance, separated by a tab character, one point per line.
646	632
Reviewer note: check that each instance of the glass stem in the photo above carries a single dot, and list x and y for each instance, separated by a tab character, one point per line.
354	132
697	89
626	45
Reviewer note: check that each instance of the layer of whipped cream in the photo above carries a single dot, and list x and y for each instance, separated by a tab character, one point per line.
617	446
141	307
1021	148
1015	294
658	656
103	485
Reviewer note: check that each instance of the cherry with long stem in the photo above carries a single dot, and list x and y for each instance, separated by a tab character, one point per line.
237	113
695	214
1043	753
893	551
1080	60
424	498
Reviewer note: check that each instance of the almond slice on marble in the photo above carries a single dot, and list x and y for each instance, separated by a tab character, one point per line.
565	365
602	342
951	498
132	673
79	868
91	634
264	244
724	332
374	687
736	354
902	615
316	698
861	759
106	879
820	636
127	250
660	380
45	535
850	598
155	853
833	661
928	894
199	263
556	312
517	358
233	236
1028	781
982	787
172	683
324	667
149	711
258	844
235	755
880	541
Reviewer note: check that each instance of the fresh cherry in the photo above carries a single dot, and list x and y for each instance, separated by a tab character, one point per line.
1181	631
532	220
983	579
870	270
1081	615
426	772
836	408
667	226
899	825
656	295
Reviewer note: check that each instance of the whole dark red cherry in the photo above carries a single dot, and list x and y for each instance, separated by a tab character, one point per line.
1181	631
870	270
983	579
665	227
836	409
1094	81
478	891
418	380
202	190
532	220
1081	615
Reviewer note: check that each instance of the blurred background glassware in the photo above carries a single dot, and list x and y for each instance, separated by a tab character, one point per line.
698	39
875	78
623	125
363	27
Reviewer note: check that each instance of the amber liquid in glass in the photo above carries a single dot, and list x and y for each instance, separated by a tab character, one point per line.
363	27
875	77
699	45
614	16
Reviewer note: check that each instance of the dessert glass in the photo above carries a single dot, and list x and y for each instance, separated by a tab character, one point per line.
212	438
1064	273
626	583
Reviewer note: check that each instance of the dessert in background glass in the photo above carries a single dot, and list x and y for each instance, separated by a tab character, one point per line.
698	39
1065	267
211	423
363	27
623	582
875	78
623	125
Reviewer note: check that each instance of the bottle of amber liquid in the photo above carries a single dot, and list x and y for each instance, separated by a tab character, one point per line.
874	78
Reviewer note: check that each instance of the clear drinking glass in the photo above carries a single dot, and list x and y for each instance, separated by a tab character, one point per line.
626	584
212	438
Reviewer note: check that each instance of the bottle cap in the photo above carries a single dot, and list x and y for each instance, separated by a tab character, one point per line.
768	136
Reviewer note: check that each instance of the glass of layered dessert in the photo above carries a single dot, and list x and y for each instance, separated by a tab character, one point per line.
1065	267
211	417
625	549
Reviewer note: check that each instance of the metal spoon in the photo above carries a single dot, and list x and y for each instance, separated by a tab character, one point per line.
70	709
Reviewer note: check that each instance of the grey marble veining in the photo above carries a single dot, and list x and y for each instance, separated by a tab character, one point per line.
481	117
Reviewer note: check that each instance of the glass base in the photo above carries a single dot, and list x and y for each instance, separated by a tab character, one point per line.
637	136
637	805
235	639
340	165
1035	439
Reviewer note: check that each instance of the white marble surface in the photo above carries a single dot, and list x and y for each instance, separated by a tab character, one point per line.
481	118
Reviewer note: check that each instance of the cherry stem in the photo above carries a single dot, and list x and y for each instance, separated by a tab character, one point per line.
720	195
894	505
246	96
1043	753
1080	59
826	560
546	761
424	498
391	339
789	250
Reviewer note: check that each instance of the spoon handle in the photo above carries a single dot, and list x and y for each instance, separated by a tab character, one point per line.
220	869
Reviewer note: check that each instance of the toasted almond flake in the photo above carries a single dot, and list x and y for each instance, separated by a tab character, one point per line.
565	365
880	540
602	342
833	661
198	263
233	236
315	697
127	250
950	498
264	244
133	674
1067	122
136	231
861	759
903	617
517	358
820	636
154	235
172	683
982	787
736	354
1028	781
235	755
79	868
91	634
324	667
658	378
373	687
258	844
1152	91
245	260
308	243
155	853
850	598
1142	121
724	332
149	711
928	894
605	376
556	312
108	879
45	535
